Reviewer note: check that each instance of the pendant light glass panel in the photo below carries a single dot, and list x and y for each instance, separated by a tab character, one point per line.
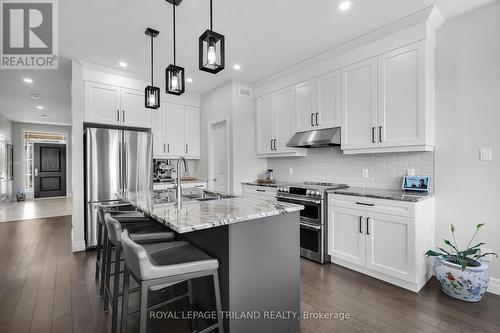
211	52
175	80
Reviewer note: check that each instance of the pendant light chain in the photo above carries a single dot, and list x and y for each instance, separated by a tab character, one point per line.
174	34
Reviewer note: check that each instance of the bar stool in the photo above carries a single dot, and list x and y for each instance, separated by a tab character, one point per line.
157	268
126	212
141	232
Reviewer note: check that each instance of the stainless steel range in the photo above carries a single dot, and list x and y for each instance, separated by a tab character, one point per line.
313	218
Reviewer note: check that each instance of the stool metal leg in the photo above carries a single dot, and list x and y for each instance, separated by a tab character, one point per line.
217	301
103	261
143	308
107	276
126	283
190	292
116	290
98	264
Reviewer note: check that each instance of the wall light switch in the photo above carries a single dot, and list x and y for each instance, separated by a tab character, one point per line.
485	154
410	172
364	173
290	171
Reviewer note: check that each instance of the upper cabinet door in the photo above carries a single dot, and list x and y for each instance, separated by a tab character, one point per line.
102	103
359	105
329	100
306	105
133	112
401	109
192	131
265	132
283	118
158	128
174	135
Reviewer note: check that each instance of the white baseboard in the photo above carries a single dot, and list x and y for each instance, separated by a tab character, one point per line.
494	286
78	246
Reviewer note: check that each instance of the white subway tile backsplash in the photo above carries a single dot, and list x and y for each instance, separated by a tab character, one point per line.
329	164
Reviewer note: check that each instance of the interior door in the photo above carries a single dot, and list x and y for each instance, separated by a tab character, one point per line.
265	124
50	170
133	112
347	238
359	105
305	101
174	134
401	97
389	244
220	158
283	118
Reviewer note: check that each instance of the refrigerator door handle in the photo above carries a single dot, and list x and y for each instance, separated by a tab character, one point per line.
125	167
120	165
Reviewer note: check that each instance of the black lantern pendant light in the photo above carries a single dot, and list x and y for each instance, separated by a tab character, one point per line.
152	93
174	74
211	53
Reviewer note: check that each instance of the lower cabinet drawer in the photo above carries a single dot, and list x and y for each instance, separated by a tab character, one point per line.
382	206
260	191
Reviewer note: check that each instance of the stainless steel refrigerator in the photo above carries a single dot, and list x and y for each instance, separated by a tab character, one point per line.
115	160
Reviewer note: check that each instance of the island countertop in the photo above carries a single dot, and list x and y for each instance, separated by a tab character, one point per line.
198	215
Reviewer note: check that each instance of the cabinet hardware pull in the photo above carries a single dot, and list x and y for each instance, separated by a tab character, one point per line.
118	115
312	119
367	225
365	204
274	144
360	227
380	134
259	190
373	134
200	186
168	147
317	114
123	115
186	149
164	149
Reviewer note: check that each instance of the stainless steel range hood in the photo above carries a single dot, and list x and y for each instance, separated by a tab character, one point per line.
329	137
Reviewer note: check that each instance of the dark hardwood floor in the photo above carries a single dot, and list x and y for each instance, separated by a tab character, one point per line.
46	288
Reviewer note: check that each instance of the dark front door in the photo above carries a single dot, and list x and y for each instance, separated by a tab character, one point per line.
50	170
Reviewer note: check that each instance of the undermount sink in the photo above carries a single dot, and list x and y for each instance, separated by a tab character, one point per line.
204	195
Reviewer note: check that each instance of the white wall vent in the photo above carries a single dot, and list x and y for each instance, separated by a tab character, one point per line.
245	92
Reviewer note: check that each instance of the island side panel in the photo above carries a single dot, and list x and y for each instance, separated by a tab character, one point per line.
264	272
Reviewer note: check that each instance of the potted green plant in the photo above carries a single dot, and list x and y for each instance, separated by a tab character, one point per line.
461	273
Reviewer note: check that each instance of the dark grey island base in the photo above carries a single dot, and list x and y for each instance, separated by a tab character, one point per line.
259	272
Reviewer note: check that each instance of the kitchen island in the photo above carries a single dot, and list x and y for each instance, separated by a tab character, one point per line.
257	245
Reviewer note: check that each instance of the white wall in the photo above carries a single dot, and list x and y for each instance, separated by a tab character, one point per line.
468	117
225	101
5	127
330	165
18	130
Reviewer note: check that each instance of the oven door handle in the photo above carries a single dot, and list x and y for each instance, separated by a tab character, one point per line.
310	226
298	201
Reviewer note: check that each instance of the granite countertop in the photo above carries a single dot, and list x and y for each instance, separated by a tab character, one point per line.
195	215
376	193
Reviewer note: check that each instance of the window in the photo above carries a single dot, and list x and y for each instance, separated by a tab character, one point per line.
29	139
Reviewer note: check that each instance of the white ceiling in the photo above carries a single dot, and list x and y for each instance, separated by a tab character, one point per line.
264	36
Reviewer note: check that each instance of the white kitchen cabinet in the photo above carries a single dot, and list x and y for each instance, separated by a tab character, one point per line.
387	102
192	131
329	100
390	247
174	130
112	105
133	112
102	103
359	105
385	239
306	105
347	237
158	125
275	124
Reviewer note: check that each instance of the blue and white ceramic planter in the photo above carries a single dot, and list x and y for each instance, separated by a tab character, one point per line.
468	285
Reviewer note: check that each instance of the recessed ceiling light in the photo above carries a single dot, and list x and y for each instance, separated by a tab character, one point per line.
237	67
122	64
35	96
39	107
43	115
189	80
345	5
27	80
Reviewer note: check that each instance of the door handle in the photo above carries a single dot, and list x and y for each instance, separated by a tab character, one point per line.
123	115
365	204
373	134
317	114
360	222
36	172
312	119
380	134
367	225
